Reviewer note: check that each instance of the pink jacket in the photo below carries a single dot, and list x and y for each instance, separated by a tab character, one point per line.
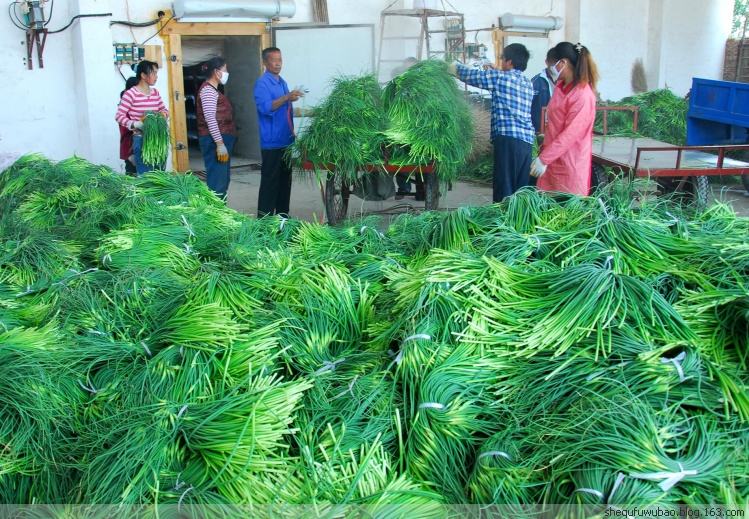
568	141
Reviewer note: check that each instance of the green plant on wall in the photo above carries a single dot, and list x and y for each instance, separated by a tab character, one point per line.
740	12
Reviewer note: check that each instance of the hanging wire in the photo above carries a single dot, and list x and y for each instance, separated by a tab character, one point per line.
159	31
17	21
77	17
51	11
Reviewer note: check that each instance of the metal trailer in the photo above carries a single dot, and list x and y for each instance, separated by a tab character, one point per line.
676	168
336	191
718	114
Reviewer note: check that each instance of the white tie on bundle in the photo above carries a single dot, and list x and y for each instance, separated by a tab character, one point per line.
676	361
669	478
431	405
495	453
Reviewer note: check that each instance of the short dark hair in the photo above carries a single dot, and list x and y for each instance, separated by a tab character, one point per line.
215	63
518	54
145	67
552	55
269	50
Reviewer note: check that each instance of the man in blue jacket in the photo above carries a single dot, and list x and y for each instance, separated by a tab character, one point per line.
275	118
543	88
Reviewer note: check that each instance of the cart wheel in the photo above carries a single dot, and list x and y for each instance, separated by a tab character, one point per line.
431	192
337	192
692	189
598	178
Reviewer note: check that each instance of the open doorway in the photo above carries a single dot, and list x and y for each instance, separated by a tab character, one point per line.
242	55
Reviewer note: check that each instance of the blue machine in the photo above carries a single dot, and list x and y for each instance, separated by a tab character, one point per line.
718	113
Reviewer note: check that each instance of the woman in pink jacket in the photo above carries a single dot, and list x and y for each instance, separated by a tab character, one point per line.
565	159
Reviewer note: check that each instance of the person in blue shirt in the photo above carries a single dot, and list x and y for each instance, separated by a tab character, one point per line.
543	88
512	130
275	119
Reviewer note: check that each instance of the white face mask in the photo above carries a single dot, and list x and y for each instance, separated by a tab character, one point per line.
554	72
224	77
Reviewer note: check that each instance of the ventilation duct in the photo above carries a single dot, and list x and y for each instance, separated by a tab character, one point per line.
519	22
233	11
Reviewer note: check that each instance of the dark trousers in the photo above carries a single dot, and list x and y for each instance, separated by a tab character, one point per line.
216	173
512	165
275	183
130	170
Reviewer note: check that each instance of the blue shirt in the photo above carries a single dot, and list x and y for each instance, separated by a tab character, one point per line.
543	88
512	95
276	126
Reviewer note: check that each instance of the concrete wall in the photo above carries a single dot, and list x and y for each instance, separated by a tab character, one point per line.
694	37
39	108
627	41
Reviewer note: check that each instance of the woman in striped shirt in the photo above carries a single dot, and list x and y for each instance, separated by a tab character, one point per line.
217	132
134	106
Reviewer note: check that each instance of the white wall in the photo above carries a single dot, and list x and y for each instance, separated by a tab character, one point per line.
614	46
39	106
694	36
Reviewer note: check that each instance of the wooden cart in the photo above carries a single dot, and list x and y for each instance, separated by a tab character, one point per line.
336	191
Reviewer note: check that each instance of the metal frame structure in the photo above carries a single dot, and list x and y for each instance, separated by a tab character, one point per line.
424	15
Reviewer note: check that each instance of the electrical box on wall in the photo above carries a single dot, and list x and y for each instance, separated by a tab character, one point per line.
125	53
129	53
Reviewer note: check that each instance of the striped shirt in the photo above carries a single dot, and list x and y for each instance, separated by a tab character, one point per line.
512	95
209	101
135	104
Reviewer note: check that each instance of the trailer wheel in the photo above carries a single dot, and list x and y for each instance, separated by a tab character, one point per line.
337	193
431	192
598	178
688	189
428	190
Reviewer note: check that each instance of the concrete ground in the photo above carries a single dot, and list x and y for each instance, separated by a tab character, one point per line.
306	199
307	204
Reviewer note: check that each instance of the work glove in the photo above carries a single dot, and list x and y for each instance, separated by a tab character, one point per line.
452	68
538	168
222	154
138	125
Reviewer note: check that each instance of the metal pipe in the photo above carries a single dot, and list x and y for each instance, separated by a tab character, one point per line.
234	10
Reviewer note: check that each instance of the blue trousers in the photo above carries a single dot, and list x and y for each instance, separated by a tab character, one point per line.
140	167
217	173
512	165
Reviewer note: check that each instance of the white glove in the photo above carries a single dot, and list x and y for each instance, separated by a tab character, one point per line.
222	154
138	125
538	168
452	68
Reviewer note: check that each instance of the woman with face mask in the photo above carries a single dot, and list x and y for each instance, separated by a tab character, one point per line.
217	132
564	163
135	103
